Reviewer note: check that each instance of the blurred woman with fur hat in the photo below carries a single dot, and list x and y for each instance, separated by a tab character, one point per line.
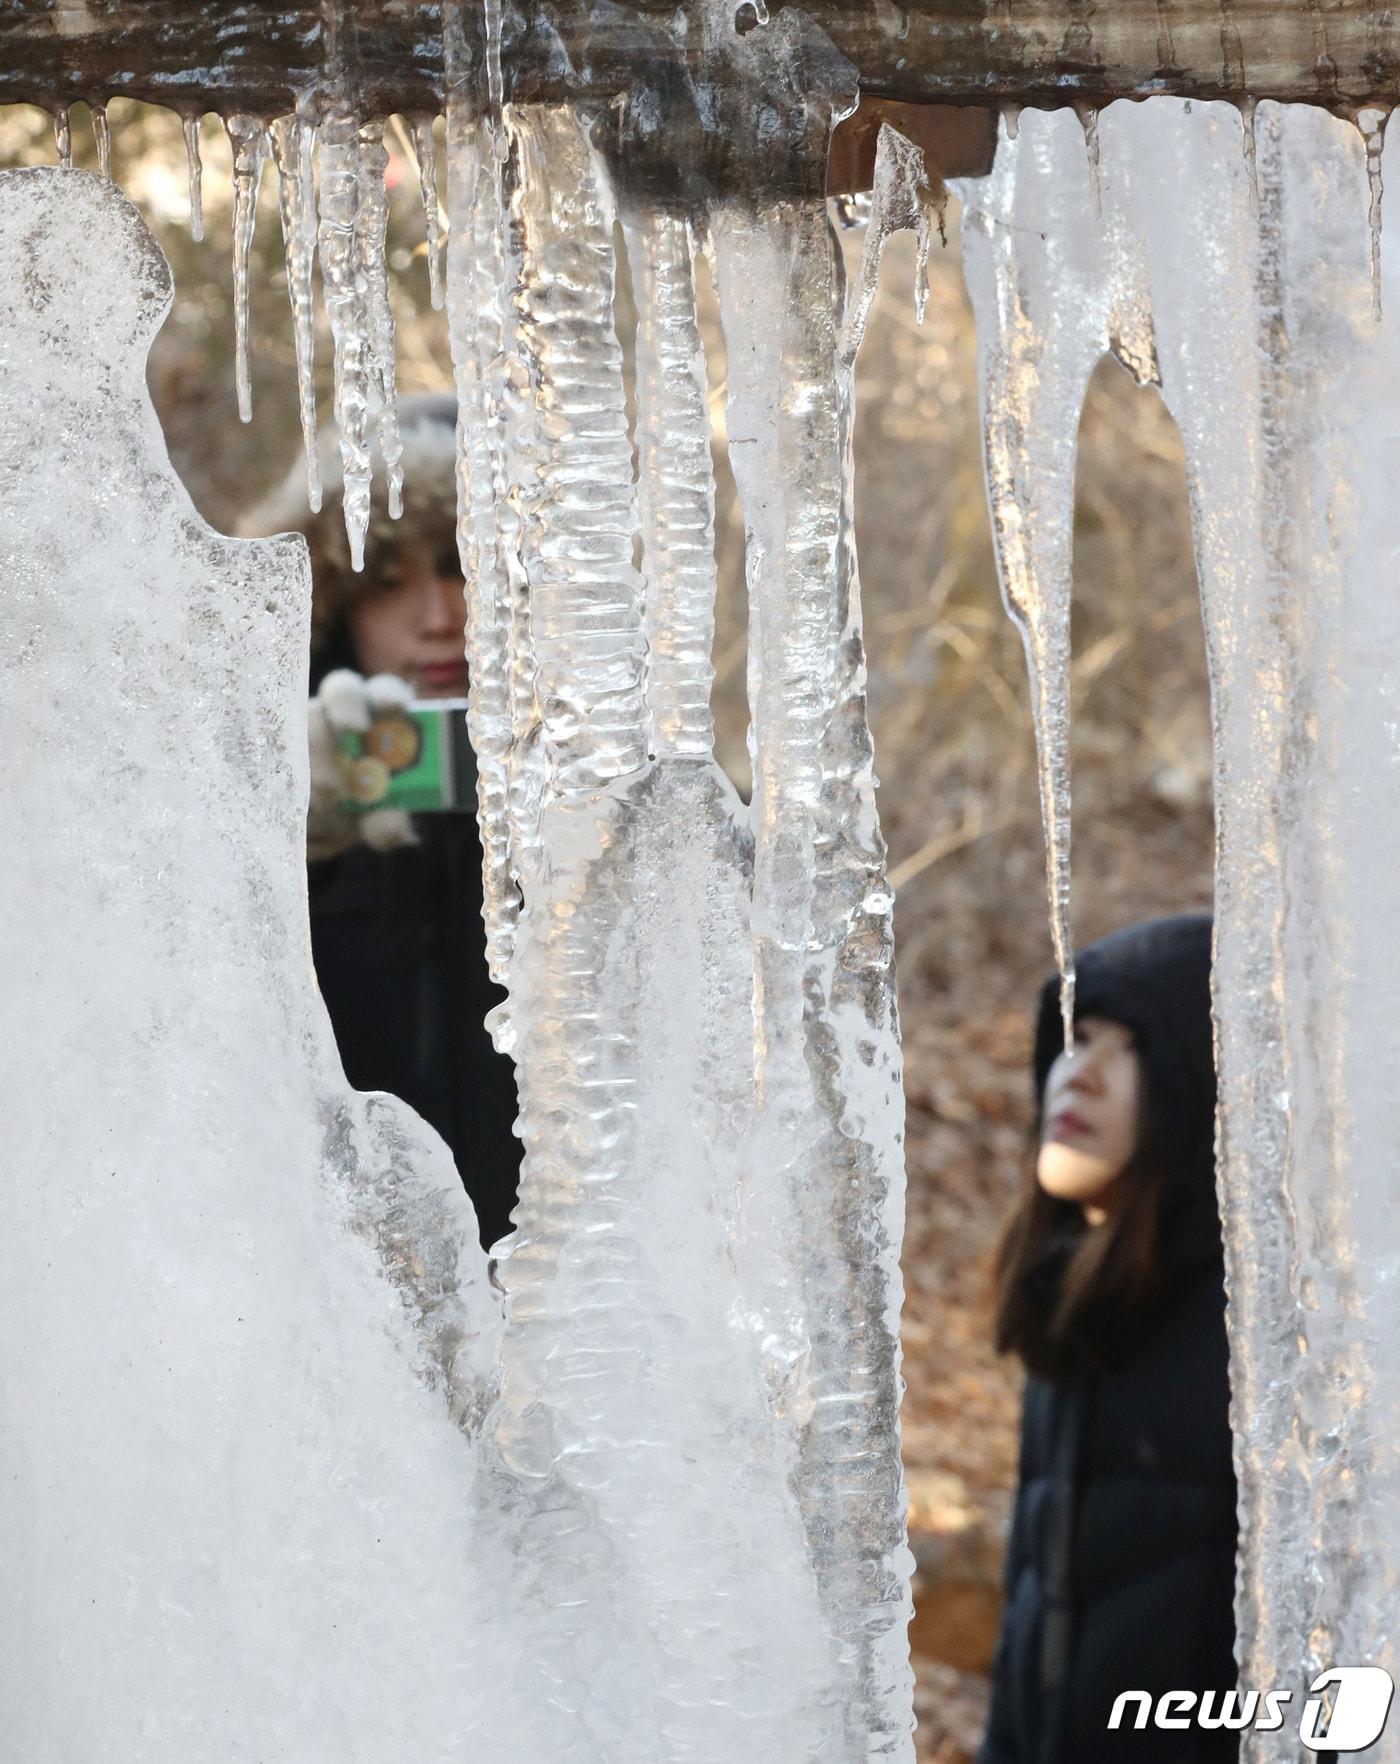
395	900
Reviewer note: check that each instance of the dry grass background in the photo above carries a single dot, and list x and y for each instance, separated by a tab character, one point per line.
954	751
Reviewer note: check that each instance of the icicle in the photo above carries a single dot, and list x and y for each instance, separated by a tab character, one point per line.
1088	115
579	522
353	219
495	83
675	485
1036	352
819	1158
483	173
426	154
63	136
372	269
825	1151
1251	149
934	204
103	136
1011	117
292	144
896	203
1371	121
248	138
338	162
196	174
478	293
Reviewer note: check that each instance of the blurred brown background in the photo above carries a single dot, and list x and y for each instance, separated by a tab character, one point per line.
953	747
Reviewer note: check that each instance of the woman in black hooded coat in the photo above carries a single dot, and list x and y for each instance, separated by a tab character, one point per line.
1120	1567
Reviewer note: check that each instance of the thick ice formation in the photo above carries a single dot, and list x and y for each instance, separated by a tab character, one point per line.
708	1066
1258	321
640	1495
248	1330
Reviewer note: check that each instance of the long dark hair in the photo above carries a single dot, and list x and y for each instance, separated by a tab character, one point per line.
1063	1292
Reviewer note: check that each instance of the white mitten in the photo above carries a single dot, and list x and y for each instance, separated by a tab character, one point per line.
347	701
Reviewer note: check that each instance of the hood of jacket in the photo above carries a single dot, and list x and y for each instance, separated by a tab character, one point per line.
1154	978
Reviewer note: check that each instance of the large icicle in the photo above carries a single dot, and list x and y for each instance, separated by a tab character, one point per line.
292	146
824	1170
630	1371
1286	389
675	483
579	523
501	708
1042	325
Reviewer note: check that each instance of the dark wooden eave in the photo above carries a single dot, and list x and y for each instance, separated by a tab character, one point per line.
259	55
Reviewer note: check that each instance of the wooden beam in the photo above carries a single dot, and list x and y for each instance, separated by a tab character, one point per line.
259	55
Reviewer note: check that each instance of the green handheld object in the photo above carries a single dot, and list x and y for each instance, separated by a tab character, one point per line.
415	757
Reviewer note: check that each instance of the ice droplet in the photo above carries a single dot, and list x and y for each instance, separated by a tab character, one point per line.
190	124
293	140
63	136
102	134
426	154
248	139
1011	118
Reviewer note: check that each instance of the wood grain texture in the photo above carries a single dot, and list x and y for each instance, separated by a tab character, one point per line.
258	55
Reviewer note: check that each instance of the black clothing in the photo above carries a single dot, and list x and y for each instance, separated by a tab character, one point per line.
400	958
1120	1567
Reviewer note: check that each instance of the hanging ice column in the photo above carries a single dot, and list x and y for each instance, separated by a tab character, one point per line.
1259	320
712	1195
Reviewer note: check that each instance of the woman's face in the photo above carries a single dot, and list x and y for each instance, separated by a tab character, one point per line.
410	623
1090	1116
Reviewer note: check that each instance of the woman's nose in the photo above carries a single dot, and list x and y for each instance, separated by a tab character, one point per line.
445	608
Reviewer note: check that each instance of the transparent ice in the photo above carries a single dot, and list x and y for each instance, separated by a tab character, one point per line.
1256	317
249	1331
344	1492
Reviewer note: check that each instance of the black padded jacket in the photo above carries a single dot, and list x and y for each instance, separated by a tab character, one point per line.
1120	1566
